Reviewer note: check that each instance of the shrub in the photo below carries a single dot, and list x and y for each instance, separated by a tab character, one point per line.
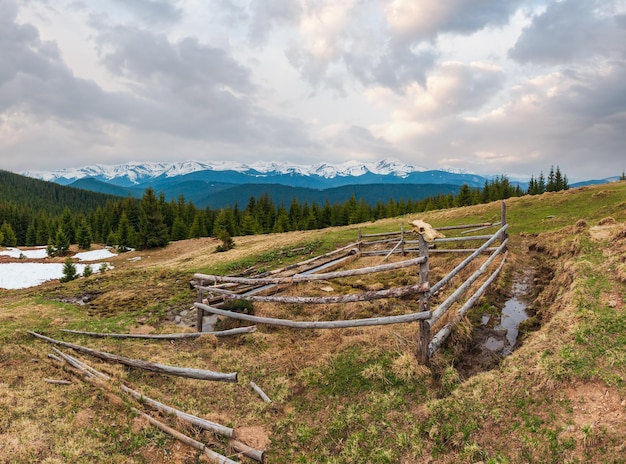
87	271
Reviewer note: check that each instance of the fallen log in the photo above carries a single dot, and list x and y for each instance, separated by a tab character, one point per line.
57	382
261	393
174	336
191	373
318	324
212	455
189	418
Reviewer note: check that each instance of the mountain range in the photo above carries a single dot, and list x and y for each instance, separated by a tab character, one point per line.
219	184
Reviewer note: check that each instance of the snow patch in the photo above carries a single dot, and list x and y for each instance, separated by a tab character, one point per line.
23	275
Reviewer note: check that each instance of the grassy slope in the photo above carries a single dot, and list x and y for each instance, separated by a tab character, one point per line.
353	395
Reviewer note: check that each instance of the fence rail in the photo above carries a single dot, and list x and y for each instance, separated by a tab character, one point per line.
232	287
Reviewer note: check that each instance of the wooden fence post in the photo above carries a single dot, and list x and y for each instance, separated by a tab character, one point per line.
424	305
199	311
360	238
504	235
402	240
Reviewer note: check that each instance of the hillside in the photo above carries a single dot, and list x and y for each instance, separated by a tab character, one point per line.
48	196
349	395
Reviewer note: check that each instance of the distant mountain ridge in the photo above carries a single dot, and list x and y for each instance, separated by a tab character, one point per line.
326	174
219	184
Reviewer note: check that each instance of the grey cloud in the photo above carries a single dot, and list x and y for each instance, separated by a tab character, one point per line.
570	30
152	11
458	16
266	14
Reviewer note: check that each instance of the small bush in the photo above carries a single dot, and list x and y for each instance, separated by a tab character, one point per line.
239	306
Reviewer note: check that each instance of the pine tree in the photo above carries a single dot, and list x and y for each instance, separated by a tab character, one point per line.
84	235
69	270
9	239
179	229
124	236
152	228
61	242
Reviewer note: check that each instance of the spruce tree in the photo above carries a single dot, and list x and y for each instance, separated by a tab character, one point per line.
69	270
83	236
124	236
152	228
9	239
61	242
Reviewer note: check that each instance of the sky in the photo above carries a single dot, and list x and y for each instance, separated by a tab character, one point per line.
490	86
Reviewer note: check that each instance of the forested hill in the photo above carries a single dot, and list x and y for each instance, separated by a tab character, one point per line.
25	192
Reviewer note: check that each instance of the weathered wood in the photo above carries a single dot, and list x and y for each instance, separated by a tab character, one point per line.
380	234
461	250
400	243
174	336
317	324
189	418
56	358
261	393
244	449
504	235
352	297
212	455
481	228
462	239
445	305
310	277
192	373
378	242
466	226
435	288
445	331
57	382
424	305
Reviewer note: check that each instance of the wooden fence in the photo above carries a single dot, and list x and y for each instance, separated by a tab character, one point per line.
214	290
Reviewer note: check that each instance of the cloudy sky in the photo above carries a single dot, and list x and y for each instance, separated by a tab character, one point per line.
495	87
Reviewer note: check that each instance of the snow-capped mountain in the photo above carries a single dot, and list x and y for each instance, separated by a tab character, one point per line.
134	173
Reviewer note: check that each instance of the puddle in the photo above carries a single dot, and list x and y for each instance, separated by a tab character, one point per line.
514	313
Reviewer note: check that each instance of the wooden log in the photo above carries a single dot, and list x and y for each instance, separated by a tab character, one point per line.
462	239
435	288
379	242
466	226
311	277
424	305
481	228
58	382
317	324
381	234
445	305
192	373
189	418
396	292
445	331
174	336
261	393
246	450
400	243
56	358
211	455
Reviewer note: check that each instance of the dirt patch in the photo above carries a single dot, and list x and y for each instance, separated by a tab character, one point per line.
256	437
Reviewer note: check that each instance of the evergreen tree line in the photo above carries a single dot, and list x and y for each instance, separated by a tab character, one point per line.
152	221
554	183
